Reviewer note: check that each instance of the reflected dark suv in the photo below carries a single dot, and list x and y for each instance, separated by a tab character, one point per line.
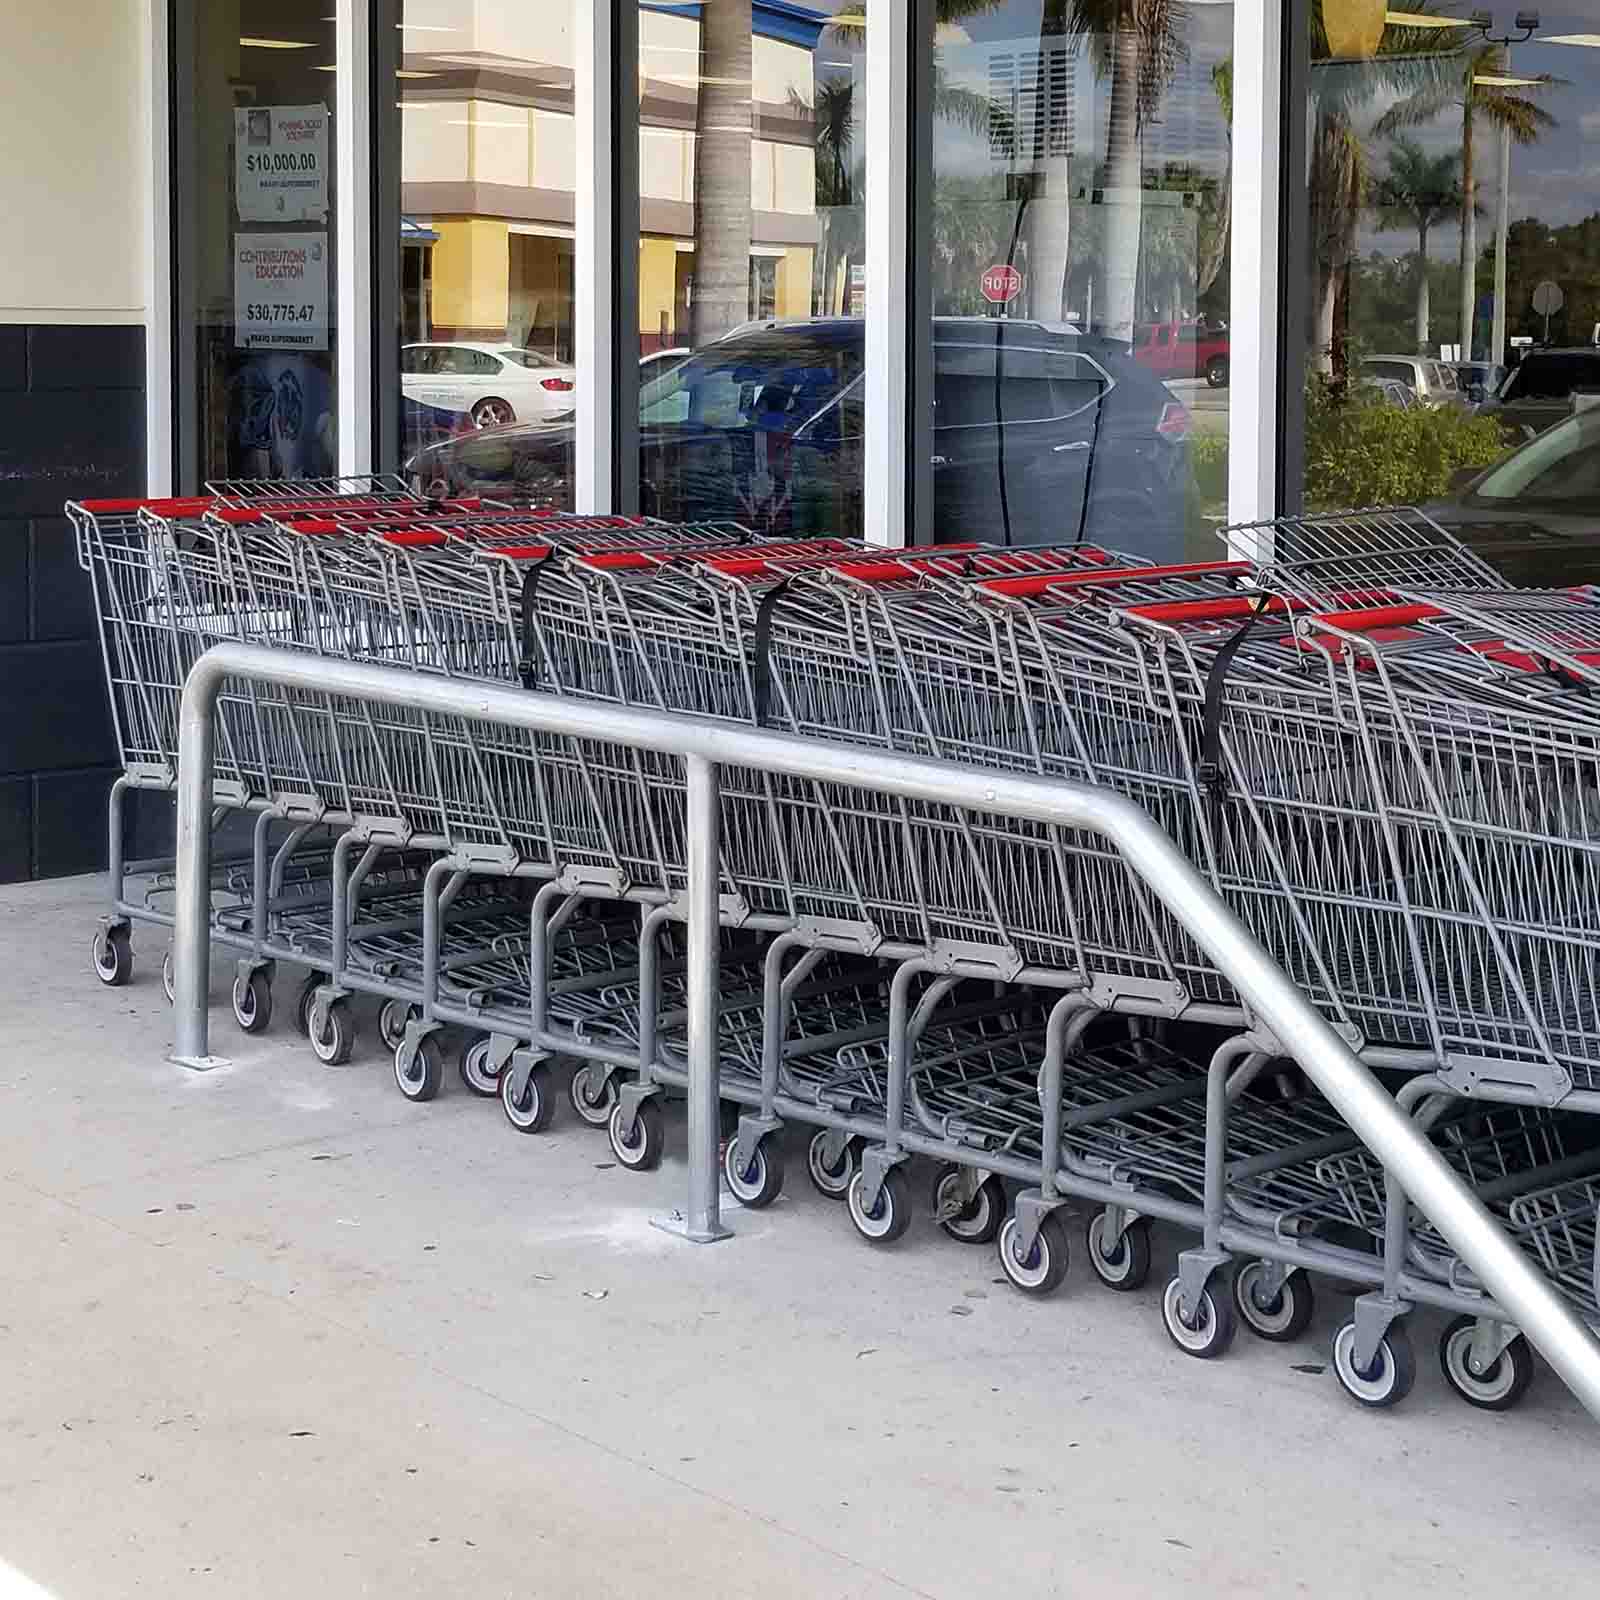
1040	435
1538	393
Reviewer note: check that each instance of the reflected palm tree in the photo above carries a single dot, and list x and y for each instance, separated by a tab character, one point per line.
1139	46
724	115
1419	190
1410	62
1476	93
1216	216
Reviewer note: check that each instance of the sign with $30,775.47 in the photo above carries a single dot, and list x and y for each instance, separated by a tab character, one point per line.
280	291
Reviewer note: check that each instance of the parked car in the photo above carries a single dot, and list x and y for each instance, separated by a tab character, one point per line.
1040	434
1431	383
1391	391
421	426
1195	349
1477	380
1538	391
1535	516
494	384
659	361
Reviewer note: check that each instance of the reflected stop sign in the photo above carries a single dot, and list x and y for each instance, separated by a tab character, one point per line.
1000	284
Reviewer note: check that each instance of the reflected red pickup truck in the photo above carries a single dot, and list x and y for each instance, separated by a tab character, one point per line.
1183	350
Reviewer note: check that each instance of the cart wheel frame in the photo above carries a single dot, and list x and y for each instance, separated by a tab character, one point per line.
252	1001
1044	1267
1129	1268
1498	1389
419	1068
1286	1315
832	1183
981	1219
334	1046
1215	1322
533	1110
1394	1367
889	1218
641	1153
761	1182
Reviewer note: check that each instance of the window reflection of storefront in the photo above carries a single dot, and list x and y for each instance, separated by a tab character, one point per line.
255	242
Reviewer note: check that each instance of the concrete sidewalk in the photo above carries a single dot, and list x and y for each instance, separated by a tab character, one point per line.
273	1330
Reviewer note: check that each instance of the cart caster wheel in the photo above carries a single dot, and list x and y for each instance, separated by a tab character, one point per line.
980	1222
592	1096
642	1151
1278	1318
333	1046
474	1068
113	956
1127	1266
303	1000
1212	1330
833	1183
1388	1380
760	1183
252	1002
1039	1272
392	1020
1498	1389
890	1218
169	978
532	1110
419	1068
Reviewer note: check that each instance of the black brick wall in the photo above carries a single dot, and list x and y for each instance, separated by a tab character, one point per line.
72	423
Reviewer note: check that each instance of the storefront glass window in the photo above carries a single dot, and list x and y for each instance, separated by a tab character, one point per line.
1450	307
1082	176
487	171
750	263
254	168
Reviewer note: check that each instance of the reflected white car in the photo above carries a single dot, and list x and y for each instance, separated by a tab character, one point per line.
493	383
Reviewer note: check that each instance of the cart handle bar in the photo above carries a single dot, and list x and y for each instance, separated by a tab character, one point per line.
193	506
1042	583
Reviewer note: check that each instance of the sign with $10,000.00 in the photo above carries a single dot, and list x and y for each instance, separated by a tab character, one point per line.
280	163
280	291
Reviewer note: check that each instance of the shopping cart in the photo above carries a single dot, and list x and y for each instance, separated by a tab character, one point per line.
1290	721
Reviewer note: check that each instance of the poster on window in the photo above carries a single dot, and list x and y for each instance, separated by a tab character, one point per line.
280	156
280	291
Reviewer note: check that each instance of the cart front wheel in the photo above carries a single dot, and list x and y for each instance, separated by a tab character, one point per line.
639	1148
1040	1270
890	1214
1279	1317
593	1093
476	1073
113	956
333	1045
419	1068
832	1182
252	1001
392	1020
1501	1385
1126	1265
979	1221
760	1181
530	1111
1209	1331
303	1001
1387	1381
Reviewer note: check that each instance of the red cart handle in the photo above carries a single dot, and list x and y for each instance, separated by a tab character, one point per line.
1043	582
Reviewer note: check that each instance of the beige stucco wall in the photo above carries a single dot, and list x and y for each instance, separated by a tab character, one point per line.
74	167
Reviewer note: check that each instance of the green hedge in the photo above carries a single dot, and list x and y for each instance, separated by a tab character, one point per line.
1362	452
